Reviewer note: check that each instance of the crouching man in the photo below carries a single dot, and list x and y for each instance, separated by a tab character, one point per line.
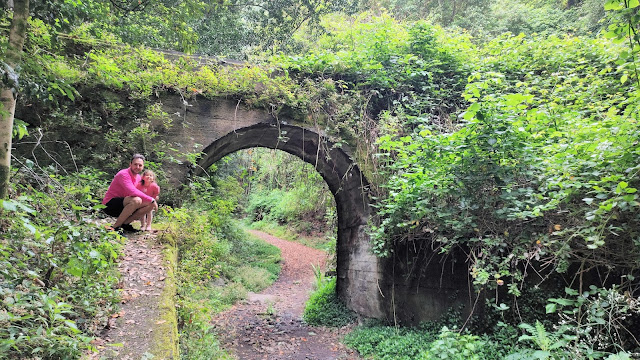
123	200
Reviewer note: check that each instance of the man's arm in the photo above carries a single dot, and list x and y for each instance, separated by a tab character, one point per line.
124	180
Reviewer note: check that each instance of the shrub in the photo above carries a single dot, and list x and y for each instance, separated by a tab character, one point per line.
453	346
324	308
57	271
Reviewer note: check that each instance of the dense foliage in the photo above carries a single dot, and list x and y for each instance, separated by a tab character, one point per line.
324	308
532	168
276	187
428	342
58	273
487	19
544	166
519	150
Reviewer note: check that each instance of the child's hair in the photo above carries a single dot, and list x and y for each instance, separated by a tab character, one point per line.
147	172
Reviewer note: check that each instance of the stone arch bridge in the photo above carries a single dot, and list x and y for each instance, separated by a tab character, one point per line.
373	287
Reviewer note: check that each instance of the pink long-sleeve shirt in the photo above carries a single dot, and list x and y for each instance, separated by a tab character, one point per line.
151	189
123	185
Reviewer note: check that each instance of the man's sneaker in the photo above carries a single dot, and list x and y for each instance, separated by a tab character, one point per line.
129	228
118	229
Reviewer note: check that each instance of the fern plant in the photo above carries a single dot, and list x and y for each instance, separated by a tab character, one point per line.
545	341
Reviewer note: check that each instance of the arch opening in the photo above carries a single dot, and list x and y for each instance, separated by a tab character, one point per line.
356	266
274	187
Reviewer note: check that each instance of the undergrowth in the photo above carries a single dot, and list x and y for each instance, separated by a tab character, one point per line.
324	308
218	264
58	274
429	341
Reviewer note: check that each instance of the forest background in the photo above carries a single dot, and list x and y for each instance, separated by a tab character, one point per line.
504	129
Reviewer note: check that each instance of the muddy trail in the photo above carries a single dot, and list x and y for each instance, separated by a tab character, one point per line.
269	325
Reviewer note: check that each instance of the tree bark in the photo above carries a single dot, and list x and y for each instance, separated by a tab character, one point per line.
17	35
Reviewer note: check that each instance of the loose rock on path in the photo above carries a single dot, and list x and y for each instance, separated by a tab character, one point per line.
269	325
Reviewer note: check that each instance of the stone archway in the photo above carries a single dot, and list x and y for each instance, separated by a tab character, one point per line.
373	287
358	269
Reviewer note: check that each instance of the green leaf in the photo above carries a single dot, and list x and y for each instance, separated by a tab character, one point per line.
74	267
610	35
32	229
613	5
541	354
8	205
70	94
72	325
471	111
551	308
563	301
570	291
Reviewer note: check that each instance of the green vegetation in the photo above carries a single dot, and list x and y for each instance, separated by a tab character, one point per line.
58	274
324	308
217	265
505	129
426	343
280	194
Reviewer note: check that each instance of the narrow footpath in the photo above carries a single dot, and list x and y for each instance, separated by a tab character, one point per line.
145	326
269	325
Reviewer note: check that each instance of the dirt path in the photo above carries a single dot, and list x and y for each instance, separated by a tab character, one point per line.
136	331
269	325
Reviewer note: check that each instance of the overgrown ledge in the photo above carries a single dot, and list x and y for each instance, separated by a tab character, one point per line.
165	343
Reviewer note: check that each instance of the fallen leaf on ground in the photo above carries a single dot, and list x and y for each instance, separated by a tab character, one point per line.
97	341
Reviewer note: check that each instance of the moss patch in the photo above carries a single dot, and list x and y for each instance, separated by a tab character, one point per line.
165	339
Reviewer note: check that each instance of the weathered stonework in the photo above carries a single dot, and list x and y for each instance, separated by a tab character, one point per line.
371	286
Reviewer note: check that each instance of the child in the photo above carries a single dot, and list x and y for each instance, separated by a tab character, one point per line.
148	186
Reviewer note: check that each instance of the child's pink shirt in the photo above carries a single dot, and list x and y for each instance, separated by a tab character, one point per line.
152	189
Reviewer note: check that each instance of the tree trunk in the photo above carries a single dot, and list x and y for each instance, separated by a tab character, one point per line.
17	35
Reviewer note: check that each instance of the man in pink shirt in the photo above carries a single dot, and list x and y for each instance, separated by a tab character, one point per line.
124	200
